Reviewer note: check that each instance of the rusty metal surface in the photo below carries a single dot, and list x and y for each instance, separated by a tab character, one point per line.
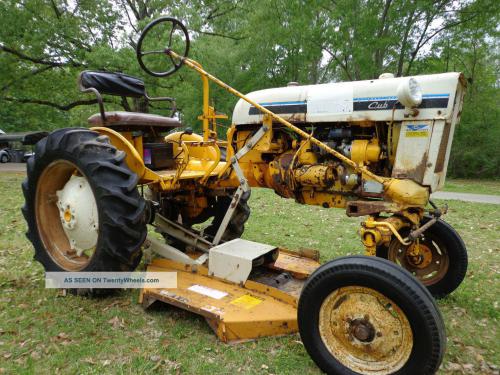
443	147
363	208
315	175
283	281
365	331
280	178
298	265
427	258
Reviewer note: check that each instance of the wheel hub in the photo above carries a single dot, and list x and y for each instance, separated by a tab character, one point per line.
419	255
78	214
362	330
426	259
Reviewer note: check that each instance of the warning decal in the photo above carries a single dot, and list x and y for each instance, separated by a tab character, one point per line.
417	131
206	291
246	301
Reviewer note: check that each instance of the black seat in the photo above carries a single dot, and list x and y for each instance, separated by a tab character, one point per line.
110	83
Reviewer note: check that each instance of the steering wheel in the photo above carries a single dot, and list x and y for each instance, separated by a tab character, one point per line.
178	34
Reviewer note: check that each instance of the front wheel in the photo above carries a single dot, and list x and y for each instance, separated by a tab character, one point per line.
441	260
361	315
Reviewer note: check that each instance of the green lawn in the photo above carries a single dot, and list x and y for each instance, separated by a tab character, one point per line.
44	332
473	186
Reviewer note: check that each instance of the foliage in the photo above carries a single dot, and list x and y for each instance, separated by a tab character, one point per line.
252	44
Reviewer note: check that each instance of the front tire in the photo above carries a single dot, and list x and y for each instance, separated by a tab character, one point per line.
367	315
443	262
106	233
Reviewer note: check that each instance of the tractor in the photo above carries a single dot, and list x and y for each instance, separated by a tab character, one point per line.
376	148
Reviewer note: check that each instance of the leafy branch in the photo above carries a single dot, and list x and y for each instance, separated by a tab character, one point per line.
39	60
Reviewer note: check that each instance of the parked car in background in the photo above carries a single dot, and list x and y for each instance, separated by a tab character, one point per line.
4	156
18	147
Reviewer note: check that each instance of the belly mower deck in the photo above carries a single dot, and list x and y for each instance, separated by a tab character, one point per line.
264	304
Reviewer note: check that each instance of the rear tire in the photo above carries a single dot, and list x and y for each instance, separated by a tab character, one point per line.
367	315
121	227
4	159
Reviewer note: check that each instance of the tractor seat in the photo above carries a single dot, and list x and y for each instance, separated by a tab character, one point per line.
119	84
112	83
131	121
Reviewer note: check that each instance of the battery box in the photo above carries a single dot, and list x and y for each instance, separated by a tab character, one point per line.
158	156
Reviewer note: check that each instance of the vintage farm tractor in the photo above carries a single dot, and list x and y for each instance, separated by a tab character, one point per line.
377	148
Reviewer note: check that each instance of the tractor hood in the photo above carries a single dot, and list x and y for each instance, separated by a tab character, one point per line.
371	100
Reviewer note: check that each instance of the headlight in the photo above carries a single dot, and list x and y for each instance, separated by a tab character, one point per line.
410	93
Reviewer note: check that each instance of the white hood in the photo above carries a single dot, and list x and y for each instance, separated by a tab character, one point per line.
351	101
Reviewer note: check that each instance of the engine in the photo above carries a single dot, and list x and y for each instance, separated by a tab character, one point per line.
394	127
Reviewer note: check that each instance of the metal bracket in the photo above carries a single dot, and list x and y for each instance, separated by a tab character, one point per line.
252	142
243	188
233	260
170	252
182	234
229	213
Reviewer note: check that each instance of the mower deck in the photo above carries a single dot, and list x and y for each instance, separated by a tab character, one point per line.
264	305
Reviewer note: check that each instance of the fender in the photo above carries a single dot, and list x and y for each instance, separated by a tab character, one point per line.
133	158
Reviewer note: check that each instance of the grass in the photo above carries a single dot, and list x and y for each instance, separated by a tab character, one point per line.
44	332
473	186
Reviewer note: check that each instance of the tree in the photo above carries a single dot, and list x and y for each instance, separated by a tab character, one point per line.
251	44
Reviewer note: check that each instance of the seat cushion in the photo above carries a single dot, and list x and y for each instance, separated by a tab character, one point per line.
112	83
124	121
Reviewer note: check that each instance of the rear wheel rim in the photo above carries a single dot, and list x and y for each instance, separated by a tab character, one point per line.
365	331
53	222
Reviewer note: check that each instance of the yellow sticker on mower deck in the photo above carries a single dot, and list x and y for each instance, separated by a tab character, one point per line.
246	301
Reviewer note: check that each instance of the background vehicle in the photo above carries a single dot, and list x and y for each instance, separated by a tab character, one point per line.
17	147
4	155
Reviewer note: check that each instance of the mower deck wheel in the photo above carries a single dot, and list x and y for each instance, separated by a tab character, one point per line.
367	315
